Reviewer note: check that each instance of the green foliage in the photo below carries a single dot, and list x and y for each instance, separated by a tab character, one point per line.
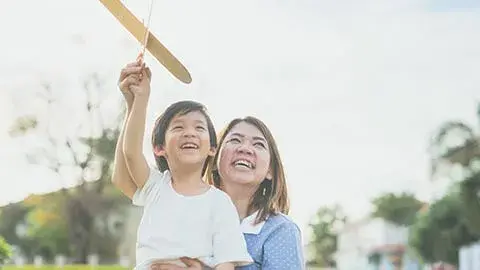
469	190
464	154
76	221
14	215
439	233
5	251
103	146
325	225
23	125
454	220
46	227
48	238
374	258
400	209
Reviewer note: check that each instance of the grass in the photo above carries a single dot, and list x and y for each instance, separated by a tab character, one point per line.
66	267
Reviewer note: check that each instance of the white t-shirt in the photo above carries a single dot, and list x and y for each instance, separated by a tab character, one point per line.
205	226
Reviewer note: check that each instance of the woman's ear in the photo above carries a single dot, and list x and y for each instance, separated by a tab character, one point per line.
159	150
269	176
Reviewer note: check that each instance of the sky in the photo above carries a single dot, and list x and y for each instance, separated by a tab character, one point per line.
352	90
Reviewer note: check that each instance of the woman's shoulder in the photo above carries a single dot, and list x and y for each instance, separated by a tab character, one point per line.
281	222
282	246
280	219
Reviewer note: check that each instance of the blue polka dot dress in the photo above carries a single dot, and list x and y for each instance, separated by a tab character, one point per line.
275	244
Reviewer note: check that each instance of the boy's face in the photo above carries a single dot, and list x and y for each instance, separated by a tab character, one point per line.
187	141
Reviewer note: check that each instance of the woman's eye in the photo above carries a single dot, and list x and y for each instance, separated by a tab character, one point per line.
260	144
235	140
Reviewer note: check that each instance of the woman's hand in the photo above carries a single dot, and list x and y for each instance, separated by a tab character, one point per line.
192	264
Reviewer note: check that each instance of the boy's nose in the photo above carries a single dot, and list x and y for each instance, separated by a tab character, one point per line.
189	132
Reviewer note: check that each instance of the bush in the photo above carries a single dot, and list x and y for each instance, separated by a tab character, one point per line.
5	251
439	233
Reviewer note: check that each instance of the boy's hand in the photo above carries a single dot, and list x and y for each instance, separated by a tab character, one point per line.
142	88
130	75
189	262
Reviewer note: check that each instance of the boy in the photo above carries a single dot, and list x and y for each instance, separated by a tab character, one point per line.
183	216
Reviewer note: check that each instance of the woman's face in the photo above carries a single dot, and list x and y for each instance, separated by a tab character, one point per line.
244	156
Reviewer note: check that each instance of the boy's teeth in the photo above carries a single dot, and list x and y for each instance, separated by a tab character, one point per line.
189	145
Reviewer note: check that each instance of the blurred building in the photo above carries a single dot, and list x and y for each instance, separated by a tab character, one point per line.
373	243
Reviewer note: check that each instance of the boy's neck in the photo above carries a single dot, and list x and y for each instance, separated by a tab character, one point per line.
188	181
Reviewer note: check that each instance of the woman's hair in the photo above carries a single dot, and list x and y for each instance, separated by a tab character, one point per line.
271	197
163	121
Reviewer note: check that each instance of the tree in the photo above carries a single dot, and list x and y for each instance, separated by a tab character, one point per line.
46	228
80	145
325	225
456	143
439	232
453	221
400	209
469	195
12	220
5	251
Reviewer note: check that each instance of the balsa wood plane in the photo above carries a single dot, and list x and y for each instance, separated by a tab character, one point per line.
147	39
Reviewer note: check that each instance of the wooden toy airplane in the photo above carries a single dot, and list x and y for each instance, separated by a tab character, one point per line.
147	39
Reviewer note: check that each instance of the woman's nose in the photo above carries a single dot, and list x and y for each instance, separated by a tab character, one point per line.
245	148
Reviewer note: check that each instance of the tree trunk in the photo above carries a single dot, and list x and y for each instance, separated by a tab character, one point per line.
80	226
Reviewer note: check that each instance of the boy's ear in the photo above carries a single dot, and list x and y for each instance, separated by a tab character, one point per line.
159	150
212	152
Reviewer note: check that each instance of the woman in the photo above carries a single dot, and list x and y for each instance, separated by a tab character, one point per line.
249	169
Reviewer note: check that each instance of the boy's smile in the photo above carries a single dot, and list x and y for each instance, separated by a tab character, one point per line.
187	140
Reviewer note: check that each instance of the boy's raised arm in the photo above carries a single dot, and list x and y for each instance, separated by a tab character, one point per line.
121	177
135	130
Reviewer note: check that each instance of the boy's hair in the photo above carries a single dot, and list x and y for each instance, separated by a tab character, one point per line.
163	121
275	200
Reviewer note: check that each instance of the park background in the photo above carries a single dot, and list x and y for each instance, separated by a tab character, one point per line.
355	92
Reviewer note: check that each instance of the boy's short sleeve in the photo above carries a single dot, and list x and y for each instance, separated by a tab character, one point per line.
228	241
152	186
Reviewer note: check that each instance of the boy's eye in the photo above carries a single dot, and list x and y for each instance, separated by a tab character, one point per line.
201	128
176	127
